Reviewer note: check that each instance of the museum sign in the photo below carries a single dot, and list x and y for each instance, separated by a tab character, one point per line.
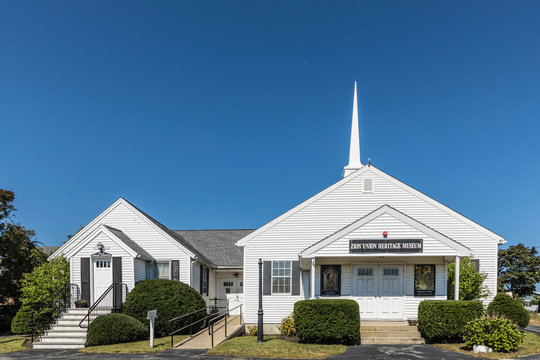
386	246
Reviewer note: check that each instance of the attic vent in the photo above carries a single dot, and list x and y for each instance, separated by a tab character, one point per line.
368	185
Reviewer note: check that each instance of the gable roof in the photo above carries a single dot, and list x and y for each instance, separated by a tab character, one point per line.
130	243
387	209
388	177
218	246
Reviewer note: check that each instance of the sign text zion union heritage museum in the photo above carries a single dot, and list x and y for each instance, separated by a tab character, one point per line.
386	246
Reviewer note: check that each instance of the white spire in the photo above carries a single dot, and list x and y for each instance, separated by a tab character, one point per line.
354	152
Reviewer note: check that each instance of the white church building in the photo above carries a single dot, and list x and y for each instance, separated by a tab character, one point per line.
368	237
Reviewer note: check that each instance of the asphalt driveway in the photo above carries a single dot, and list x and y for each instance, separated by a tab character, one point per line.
417	352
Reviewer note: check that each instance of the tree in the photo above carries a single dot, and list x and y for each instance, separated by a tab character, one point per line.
17	247
471	282
36	287
519	269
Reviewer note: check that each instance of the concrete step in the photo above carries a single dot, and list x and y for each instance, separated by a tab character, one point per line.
62	340
68	334
414	333
67	327
40	345
81	311
68	322
389	328
391	340
66	331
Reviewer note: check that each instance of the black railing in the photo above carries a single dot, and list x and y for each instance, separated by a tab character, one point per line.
226	314
62	297
211	311
109	302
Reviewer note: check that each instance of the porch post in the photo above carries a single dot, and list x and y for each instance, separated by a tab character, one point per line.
313	278
456	280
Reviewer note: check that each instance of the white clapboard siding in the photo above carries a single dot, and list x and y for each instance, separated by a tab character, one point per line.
124	217
338	208
139	270
112	248
396	230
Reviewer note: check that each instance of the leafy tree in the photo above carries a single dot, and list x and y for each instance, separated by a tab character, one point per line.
519	269
471	282
18	249
36	287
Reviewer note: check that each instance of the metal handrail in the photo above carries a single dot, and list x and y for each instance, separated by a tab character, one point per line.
97	303
211	329
190	325
58	294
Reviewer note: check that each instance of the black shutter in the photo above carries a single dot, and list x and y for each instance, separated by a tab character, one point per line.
207	276
175	271
267	278
200	279
85	279
117	280
295	278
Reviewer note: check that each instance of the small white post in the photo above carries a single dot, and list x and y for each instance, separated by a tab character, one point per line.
456	280
313	278
152	315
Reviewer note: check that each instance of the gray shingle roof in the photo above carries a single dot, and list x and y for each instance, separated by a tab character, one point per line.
130	243
49	249
217	246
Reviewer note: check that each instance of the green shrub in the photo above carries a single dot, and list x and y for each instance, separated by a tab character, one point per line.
36	287
505	305
253	330
499	333
444	320
115	329
287	326
170	298
7	313
326	321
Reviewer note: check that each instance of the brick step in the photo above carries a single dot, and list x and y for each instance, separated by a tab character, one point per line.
391	340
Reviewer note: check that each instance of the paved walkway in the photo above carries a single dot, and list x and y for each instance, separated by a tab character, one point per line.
203	340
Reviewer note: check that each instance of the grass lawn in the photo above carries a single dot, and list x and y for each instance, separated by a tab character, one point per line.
137	347
246	346
531	345
535	318
14	343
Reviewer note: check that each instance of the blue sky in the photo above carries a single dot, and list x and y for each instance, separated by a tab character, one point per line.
225	114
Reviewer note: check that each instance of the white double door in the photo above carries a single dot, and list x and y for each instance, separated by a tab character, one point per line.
232	289
378	289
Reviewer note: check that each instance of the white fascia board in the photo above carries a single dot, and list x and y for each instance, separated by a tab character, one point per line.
386	209
101	229
242	242
65	248
440	205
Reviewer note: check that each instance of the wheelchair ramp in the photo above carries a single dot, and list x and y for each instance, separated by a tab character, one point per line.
205	339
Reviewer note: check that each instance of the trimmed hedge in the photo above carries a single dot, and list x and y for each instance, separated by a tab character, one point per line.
115	329
327	321
444	320
507	306
171	299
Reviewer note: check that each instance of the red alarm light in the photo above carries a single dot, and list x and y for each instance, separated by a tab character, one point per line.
385	233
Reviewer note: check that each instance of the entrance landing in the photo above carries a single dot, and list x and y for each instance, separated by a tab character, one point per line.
389	332
203	340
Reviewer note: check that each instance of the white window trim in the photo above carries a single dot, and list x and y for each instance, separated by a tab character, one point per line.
272	280
162	261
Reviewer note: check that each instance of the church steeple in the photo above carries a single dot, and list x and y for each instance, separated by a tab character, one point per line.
354	151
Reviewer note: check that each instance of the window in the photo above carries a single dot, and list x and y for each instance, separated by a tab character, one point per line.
281	277
161	270
391	272
204	280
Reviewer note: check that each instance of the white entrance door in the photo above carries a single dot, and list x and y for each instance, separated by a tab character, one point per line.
102	276
232	290
379	291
